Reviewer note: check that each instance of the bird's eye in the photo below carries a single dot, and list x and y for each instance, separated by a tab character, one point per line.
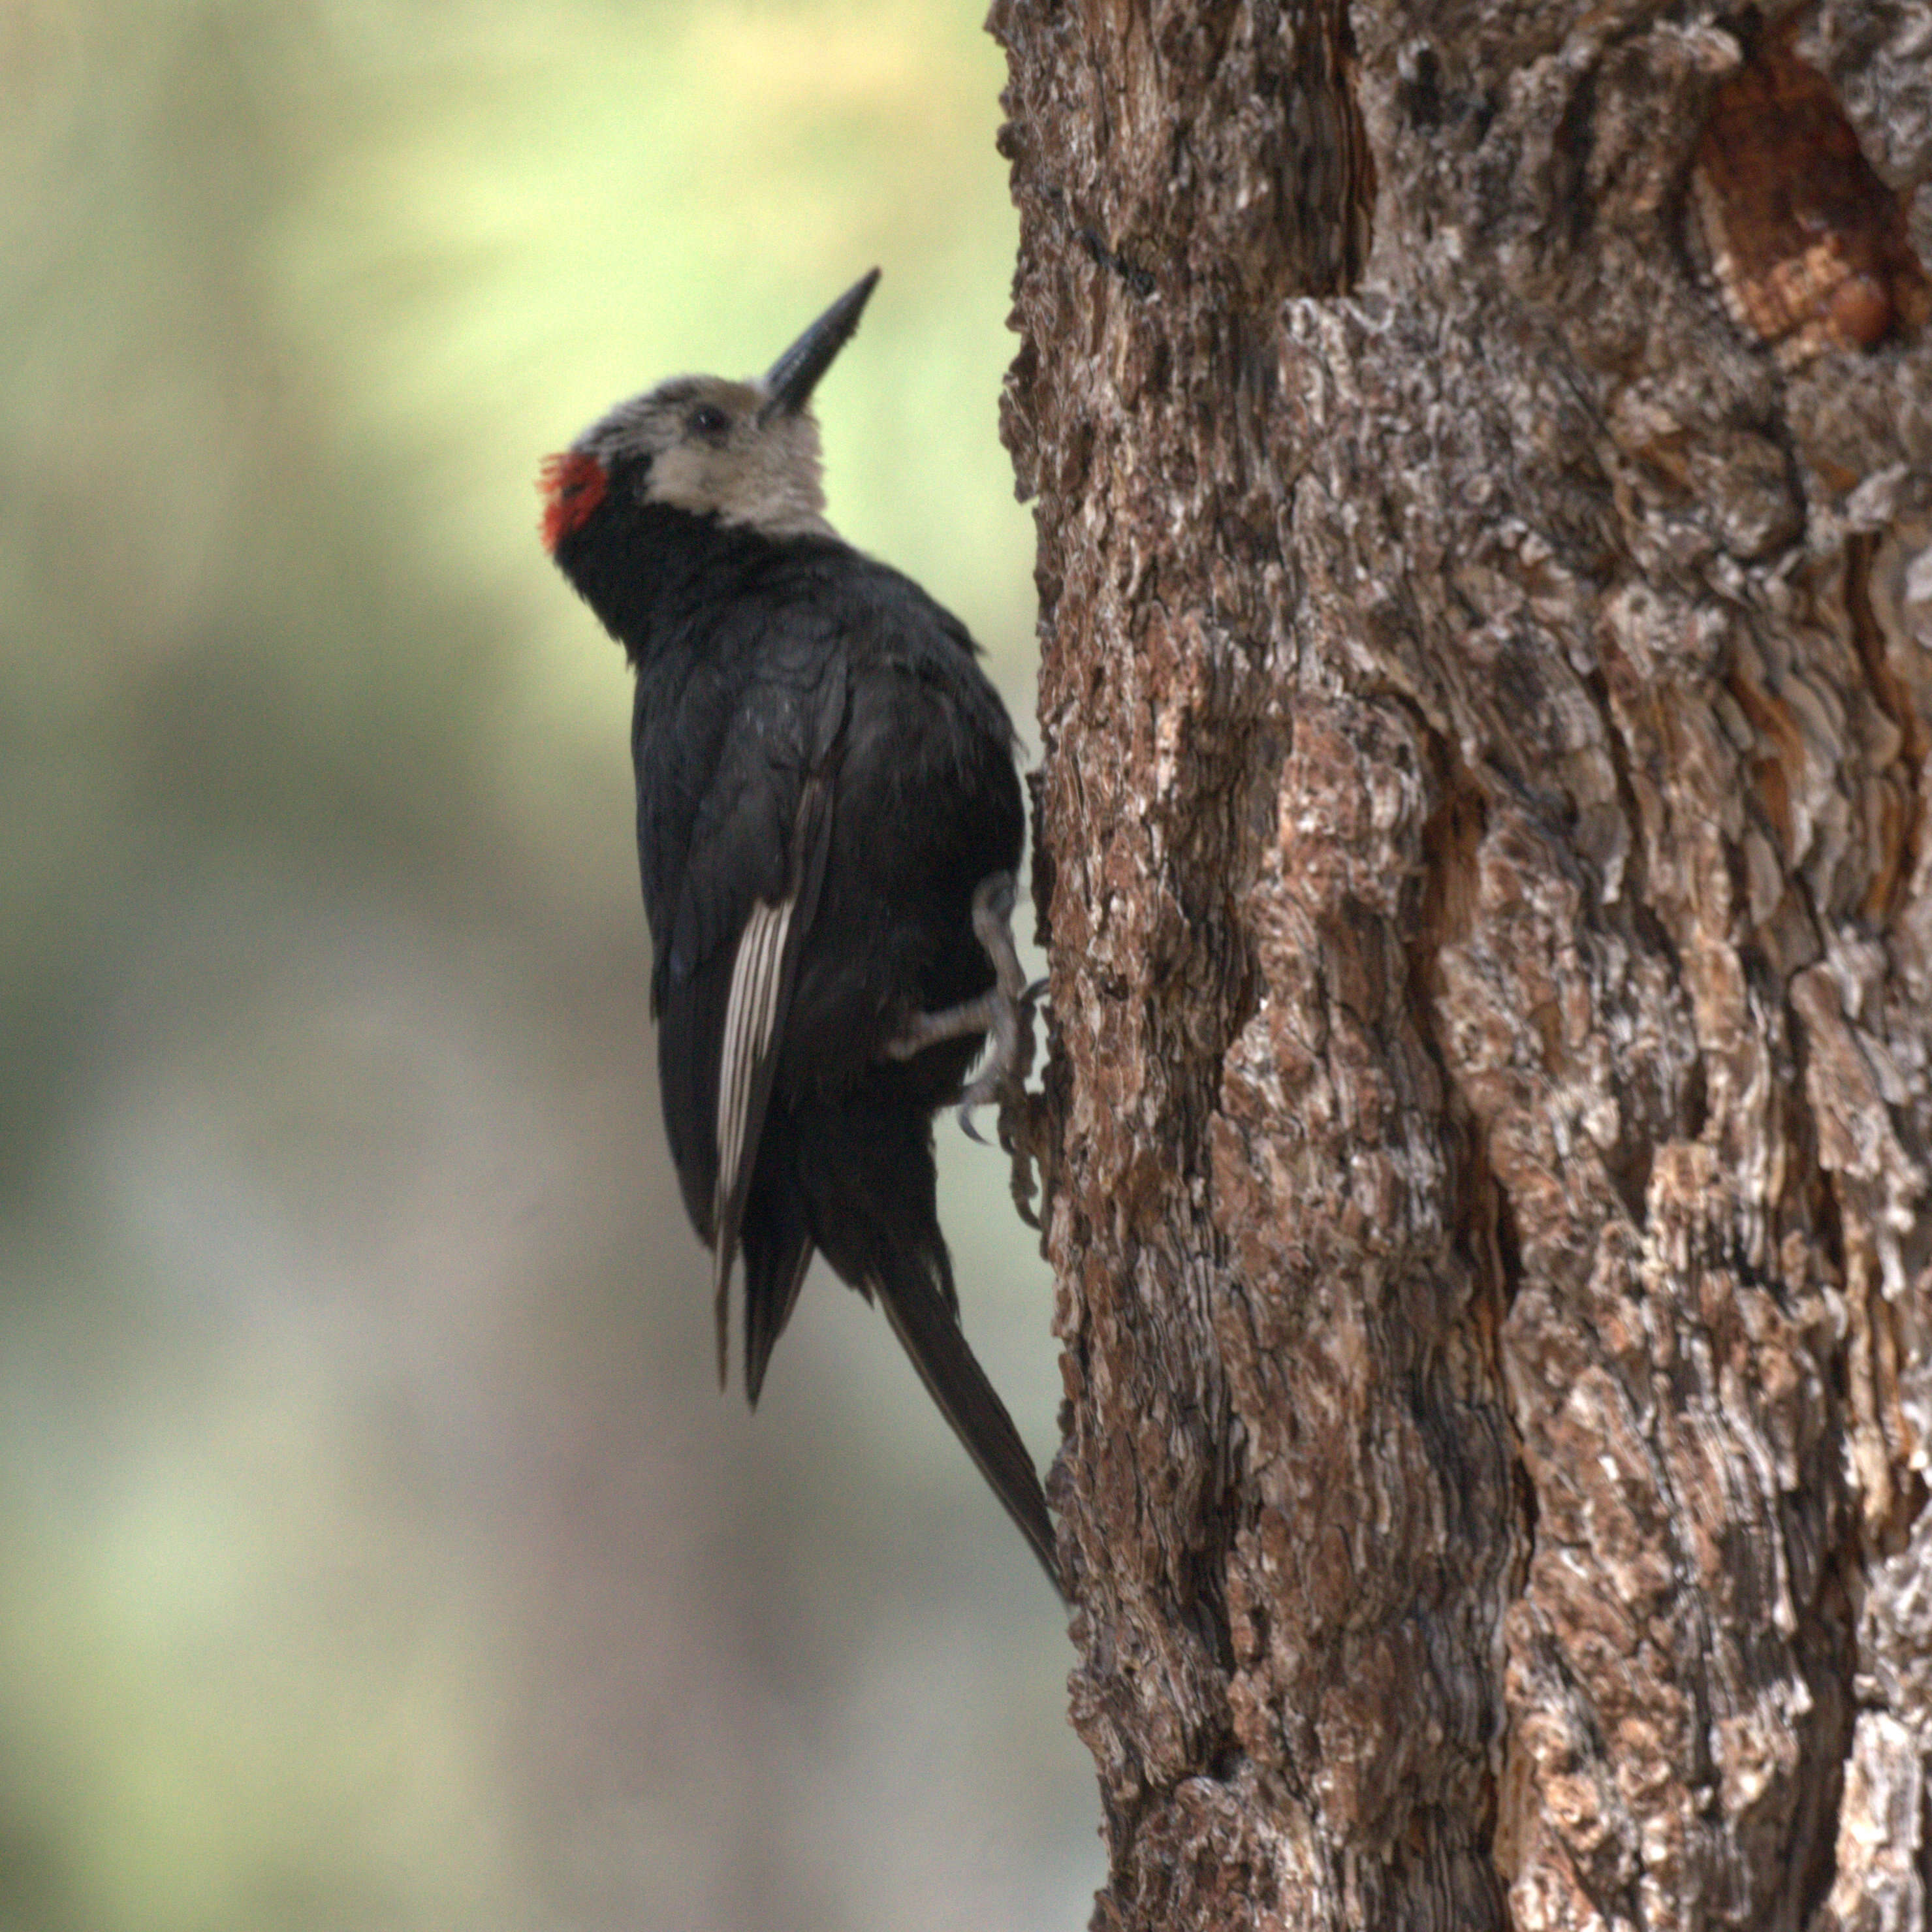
710	422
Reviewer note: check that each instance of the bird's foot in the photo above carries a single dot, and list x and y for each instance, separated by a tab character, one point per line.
1004	1015
1010	1043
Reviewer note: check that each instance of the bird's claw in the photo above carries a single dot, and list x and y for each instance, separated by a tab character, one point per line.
1009	1043
974	1097
1004	1015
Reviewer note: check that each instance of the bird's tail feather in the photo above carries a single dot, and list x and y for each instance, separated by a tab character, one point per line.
869	1186
931	1335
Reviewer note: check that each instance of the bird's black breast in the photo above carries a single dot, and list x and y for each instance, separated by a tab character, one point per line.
764	665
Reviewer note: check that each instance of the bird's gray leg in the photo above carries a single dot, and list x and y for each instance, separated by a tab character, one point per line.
1000	1014
1009	1037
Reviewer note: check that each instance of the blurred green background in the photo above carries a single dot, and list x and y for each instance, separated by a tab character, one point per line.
375	1548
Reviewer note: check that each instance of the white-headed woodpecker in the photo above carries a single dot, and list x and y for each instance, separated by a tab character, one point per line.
829	819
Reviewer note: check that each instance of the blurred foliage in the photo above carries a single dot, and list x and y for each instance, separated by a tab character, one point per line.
373	1549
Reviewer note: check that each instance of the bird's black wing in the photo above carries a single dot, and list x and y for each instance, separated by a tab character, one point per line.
745	899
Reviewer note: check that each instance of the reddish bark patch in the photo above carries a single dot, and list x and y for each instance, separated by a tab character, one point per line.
1809	246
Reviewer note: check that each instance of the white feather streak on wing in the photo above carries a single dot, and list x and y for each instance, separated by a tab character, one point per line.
751	1015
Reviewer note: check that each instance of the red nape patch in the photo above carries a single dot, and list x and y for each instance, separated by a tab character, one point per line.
573	485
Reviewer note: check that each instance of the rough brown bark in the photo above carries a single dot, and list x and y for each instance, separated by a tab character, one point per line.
1483	458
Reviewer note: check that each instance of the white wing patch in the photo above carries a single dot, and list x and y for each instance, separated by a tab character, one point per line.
751	1015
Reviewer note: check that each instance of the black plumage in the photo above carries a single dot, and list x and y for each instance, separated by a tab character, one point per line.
825	778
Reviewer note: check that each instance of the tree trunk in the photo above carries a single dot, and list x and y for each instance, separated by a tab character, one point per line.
1483	458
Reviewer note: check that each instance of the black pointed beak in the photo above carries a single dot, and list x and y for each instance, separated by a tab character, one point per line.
789	383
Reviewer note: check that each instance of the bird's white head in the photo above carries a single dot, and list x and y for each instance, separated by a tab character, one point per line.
744	453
